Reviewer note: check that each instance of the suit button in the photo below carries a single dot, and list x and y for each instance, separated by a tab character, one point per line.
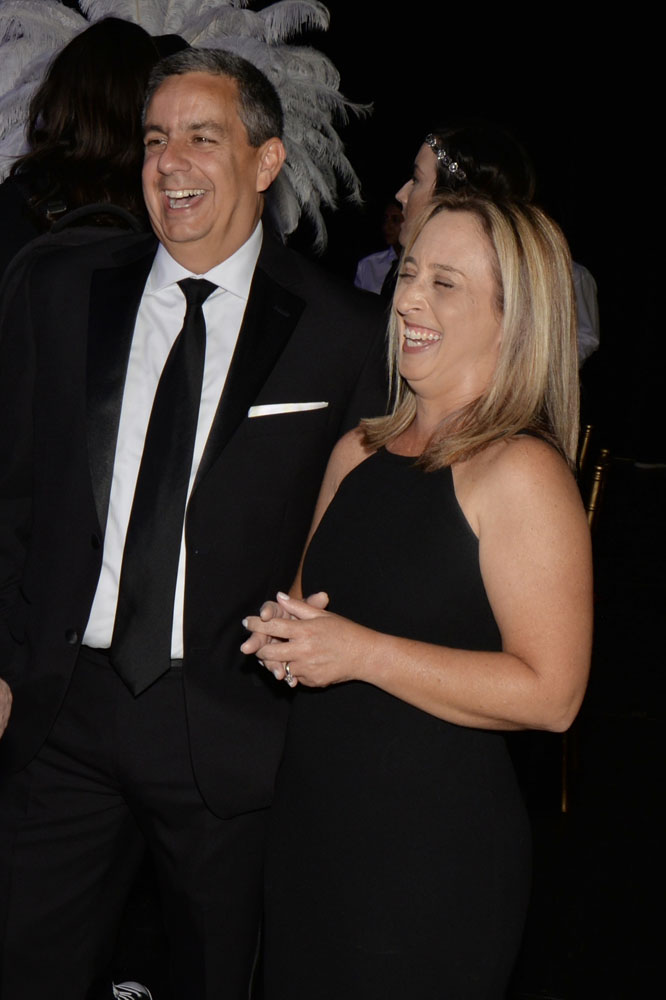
71	636
95	541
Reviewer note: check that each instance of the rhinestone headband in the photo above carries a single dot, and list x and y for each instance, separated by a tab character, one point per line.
444	158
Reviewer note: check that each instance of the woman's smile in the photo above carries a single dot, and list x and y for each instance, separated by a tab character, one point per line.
419	338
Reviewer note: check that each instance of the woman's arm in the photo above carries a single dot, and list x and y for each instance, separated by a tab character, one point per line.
536	565
346	455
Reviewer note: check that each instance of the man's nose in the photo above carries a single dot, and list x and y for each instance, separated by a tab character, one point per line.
173	157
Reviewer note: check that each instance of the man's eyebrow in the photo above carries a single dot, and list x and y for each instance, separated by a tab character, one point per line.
205	126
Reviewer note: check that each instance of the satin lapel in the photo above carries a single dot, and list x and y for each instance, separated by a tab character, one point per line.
115	294
272	313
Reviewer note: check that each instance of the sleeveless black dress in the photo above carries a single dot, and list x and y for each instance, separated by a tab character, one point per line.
398	862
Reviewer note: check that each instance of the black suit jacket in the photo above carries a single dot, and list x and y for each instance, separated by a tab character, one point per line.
67	321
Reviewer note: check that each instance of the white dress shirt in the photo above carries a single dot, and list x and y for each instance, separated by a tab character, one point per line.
158	323
587	310
371	270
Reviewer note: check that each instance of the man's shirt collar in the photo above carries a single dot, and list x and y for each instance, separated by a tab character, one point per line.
234	274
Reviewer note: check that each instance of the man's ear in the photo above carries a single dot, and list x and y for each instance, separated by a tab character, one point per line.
272	156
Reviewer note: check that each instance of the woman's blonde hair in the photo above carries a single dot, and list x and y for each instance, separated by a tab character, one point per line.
534	387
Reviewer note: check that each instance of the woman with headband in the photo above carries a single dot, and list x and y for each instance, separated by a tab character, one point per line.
487	160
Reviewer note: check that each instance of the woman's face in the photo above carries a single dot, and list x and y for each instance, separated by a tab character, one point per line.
449	321
417	192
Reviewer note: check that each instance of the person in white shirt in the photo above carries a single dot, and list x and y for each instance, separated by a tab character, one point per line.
167	408
371	271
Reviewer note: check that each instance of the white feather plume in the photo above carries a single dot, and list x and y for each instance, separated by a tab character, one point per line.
32	31
288	18
28	31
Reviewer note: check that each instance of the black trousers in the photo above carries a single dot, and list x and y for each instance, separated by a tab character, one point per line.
113	778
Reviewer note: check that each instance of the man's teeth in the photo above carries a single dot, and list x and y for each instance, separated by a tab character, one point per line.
184	193
422	335
181	198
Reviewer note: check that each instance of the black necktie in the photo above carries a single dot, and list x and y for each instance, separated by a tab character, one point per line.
390	280
141	644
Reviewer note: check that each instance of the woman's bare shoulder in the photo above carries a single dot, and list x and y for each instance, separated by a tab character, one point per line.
512	475
519	461
526	462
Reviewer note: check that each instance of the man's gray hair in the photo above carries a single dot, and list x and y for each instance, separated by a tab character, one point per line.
259	106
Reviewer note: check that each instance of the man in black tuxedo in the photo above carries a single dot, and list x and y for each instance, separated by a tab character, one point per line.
138	528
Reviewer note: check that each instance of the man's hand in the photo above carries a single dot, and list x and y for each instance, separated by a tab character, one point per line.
5	705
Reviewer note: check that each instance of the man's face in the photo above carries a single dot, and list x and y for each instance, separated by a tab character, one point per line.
202	180
392	223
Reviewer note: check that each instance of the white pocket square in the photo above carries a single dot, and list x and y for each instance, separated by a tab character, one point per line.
270	409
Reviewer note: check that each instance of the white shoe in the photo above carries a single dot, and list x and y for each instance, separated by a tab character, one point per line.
131	991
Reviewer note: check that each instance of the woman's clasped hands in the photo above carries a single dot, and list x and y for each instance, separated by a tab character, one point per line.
299	641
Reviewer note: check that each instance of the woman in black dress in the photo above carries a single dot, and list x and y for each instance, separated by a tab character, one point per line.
450	579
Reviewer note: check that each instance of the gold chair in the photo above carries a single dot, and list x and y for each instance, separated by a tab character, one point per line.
592	489
584	448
